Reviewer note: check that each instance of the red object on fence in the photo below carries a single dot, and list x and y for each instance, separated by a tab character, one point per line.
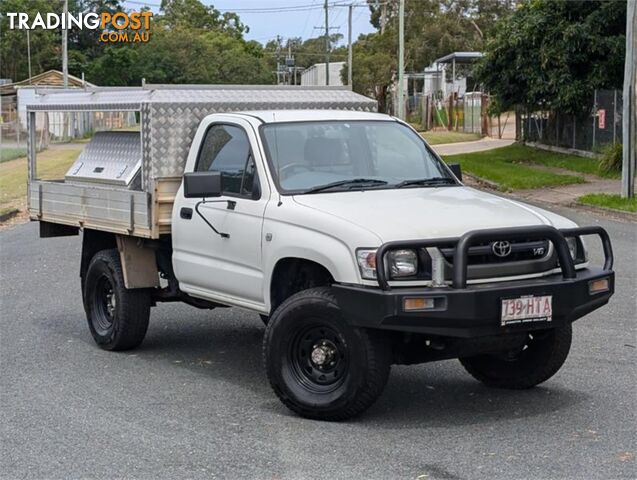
601	118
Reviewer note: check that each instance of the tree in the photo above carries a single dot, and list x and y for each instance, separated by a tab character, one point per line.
116	66
433	28
374	62
190	43
194	14
554	54
85	42
45	44
182	55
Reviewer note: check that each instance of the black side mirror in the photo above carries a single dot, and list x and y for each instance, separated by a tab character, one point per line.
202	184
456	170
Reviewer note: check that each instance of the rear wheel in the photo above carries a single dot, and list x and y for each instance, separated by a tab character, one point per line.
541	356
117	317
318	365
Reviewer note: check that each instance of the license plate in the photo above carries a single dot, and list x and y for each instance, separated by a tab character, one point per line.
526	309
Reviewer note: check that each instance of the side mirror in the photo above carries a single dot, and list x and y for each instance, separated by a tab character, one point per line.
456	170
202	184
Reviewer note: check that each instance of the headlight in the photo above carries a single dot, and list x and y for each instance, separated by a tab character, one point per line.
577	248
403	263
572	246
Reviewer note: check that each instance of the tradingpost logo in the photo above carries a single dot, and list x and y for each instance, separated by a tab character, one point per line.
120	27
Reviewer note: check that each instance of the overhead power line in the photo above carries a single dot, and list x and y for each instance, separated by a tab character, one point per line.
307	18
290	8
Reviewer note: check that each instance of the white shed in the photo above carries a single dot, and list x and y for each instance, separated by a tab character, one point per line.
315	75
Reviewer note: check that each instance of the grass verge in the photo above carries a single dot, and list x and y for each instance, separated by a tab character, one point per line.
440	137
606	200
7	154
52	164
535	156
7	213
502	167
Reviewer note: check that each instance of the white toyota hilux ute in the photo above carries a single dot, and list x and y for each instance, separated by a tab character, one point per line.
359	248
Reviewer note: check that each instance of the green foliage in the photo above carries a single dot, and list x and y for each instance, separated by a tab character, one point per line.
614	202
190	43
194	14
116	66
7	154
45	44
440	137
182	55
535	156
552	54
506	167
193	42
84	44
433	28
374	60
612	159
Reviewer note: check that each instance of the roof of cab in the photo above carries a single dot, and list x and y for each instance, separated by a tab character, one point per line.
280	116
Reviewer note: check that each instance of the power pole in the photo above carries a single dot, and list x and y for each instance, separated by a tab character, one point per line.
349	46
65	53
401	60
290	65
278	60
327	44
629	113
289	60
29	54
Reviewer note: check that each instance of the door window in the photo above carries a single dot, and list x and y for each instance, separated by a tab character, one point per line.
226	149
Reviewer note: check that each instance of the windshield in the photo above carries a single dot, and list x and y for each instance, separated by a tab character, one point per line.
311	157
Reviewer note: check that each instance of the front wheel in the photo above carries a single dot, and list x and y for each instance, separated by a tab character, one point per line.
319	366
538	359
117	317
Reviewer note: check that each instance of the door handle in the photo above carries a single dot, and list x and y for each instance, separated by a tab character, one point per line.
185	213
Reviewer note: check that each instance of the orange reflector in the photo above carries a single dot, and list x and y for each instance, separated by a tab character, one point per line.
419	303
597	286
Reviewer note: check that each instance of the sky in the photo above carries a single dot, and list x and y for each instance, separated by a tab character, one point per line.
298	21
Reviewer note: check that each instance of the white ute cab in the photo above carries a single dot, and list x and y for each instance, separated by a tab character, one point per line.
359	248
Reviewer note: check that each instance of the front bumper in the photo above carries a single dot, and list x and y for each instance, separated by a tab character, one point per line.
468	311
473	311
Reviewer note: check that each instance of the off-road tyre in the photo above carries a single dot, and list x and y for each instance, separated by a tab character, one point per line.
544	354
356	361
117	317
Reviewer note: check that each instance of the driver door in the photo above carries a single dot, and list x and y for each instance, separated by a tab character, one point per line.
208	265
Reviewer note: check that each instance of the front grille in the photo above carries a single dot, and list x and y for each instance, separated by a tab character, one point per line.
518	251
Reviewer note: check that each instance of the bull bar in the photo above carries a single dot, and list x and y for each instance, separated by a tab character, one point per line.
462	244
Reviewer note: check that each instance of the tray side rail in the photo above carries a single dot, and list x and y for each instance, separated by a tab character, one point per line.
116	210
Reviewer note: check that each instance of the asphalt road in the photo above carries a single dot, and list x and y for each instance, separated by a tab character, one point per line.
193	401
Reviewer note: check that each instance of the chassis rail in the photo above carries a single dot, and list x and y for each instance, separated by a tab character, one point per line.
462	244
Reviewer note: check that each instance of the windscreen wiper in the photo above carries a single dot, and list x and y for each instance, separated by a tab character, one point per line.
345	183
427	181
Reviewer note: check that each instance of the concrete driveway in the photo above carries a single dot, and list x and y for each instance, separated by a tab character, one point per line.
193	401
481	145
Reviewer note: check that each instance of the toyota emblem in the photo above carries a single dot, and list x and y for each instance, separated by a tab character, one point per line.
501	249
